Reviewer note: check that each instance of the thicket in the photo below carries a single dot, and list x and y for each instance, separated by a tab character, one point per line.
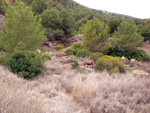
139	55
95	35
58	47
22	31
26	64
126	37
109	63
96	55
77	49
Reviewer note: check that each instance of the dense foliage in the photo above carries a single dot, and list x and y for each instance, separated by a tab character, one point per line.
96	55
139	55
83	53
127	37
95	35
109	63
22	30
25	63
77	49
58	47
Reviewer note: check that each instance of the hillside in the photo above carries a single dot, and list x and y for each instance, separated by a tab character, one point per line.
57	56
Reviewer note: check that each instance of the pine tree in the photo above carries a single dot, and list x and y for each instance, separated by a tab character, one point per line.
127	37
95	35
21	28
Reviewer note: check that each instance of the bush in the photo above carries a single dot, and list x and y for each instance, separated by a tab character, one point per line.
83	53
126	37
96	55
110	63
95	35
72	56
25	63
75	64
46	57
70	51
77	45
2	57
58	47
139	55
23	31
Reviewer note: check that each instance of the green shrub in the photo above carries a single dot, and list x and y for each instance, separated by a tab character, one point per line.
77	45
58	47
70	51
109	63
75	64
2	57
146	56
96	55
26	64
139	55
46	57
72	56
83	53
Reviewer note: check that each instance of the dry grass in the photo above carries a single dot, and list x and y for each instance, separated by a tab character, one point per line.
103	93
42	95
67	91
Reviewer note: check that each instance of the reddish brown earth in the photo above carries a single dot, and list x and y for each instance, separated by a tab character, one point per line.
145	47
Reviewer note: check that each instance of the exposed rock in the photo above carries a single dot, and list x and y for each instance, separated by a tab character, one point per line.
88	62
125	60
133	63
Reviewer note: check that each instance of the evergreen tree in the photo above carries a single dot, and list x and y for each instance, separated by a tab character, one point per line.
95	35
51	18
22	29
145	32
127	37
68	23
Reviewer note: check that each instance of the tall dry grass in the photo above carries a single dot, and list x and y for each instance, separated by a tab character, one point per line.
104	93
71	92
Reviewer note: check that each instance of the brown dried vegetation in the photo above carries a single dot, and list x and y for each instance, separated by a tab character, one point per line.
63	90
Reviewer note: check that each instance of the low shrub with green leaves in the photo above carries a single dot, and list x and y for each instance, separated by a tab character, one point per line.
83	53
77	49
2	57
139	55
70	51
109	63
77	45
58	48
45	57
75	64
95	56
72	56
26	64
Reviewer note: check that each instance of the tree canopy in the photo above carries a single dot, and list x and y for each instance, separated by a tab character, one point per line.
21	29
95	35
127	37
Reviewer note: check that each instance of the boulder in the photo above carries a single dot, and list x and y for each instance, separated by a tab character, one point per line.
88	62
133	63
125	60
